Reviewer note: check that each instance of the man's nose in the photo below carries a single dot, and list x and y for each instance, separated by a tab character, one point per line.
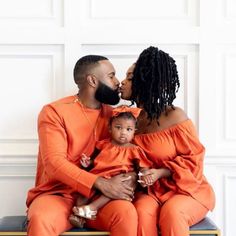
117	82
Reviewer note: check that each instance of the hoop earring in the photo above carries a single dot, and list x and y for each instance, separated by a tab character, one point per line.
132	103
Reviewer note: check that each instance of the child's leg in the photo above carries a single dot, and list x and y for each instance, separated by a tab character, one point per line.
76	220
90	211
81	200
99	202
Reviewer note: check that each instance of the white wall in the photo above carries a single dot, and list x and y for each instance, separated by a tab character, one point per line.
42	39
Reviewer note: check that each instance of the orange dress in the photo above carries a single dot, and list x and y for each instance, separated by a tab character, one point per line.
114	159
66	130
178	149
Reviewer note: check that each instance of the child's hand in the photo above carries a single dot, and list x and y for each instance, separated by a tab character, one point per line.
148	177
145	180
85	161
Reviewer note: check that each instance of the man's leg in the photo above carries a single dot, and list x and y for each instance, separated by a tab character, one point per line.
147	210
48	215
117	216
178	213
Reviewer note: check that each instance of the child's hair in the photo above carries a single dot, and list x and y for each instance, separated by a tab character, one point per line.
124	115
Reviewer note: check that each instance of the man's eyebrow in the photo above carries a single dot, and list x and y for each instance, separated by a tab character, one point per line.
112	73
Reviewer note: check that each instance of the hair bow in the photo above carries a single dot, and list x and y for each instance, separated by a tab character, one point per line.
135	111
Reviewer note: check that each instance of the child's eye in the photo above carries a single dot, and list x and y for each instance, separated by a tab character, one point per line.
129	129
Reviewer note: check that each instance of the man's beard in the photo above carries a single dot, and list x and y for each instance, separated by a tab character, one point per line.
106	95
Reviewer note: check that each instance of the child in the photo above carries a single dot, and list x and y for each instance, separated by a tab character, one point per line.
116	155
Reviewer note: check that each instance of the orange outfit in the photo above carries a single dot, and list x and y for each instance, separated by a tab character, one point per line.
66	130
178	149
114	159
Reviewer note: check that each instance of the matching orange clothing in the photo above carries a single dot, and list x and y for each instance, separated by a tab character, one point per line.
178	149
66	130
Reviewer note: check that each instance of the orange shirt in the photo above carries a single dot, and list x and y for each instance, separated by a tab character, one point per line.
178	149
114	159
66	130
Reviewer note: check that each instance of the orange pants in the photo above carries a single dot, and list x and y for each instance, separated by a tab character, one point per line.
48	216
173	218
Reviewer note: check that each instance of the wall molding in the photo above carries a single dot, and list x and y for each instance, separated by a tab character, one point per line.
227	203
219	161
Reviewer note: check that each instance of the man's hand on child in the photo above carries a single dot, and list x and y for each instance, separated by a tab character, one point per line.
116	187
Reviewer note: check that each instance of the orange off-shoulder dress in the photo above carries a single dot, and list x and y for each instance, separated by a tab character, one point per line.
178	149
114	159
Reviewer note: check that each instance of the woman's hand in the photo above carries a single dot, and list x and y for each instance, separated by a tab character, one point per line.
148	177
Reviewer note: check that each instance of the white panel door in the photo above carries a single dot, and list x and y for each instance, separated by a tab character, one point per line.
42	39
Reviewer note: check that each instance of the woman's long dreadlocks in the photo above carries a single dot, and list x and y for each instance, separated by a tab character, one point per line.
155	82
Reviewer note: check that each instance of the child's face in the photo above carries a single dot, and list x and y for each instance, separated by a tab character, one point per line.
122	130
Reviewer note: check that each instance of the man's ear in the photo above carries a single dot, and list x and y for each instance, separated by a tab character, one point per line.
92	81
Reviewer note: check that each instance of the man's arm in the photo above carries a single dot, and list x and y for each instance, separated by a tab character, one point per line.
53	152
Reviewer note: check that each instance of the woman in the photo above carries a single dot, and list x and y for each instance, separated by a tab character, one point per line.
180	195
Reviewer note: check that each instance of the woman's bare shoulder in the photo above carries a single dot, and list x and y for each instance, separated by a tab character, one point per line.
173	116
177	114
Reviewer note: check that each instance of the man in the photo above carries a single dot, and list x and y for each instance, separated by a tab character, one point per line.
68	128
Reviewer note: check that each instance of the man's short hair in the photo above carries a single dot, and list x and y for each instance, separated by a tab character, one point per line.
84	66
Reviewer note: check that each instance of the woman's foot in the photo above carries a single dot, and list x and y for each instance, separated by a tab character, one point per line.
85	212
77	221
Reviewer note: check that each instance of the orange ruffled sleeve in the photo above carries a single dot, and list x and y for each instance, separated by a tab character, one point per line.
187	165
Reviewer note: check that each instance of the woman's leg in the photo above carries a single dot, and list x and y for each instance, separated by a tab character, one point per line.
178	213
147	210
117	216
48	215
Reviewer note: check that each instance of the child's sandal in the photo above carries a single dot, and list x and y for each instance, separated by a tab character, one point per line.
86	212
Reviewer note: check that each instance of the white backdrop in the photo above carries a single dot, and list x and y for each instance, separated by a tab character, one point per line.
42	39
